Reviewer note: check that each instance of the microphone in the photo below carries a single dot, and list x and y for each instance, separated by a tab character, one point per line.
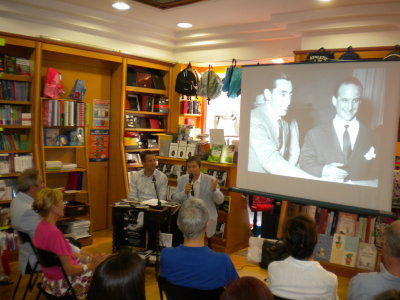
191	182
158	197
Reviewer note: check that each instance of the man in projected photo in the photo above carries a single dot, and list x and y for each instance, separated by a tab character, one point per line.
274	142
342	150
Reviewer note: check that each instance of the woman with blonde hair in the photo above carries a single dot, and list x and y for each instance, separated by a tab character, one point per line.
49	205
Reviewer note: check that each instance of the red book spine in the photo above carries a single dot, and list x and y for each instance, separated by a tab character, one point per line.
82	114
368	229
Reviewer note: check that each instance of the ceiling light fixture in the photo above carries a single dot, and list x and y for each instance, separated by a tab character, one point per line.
121	5
278	61
184	25
324	0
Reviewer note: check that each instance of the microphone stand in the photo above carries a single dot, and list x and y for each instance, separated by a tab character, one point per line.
159	206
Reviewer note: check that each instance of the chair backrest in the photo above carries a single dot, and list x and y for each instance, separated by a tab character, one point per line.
49	259
177	292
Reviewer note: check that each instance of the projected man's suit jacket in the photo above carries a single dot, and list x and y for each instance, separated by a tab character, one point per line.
321	147
265	156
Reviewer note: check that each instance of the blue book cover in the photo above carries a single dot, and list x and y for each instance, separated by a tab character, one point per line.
323	249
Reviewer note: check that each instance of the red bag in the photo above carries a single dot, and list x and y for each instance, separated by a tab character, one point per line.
52	84
260	203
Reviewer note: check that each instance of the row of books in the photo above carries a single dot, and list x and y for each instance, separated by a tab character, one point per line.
134	121
147	103
14	65
75	181
181	149
14	115
64	113
14	90
7	191
190	107
15	163
140	140
14	141
176	171
69	137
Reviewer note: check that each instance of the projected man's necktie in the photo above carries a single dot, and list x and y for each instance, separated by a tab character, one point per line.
346	143
280	136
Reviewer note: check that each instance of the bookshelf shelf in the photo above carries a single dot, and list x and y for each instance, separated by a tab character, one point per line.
16	126
142	150
15	102
15	151
146	90
15	77
63	147
150	113
61	99
134	166
69	192
5	202
191	115
146	129
9	175
66	171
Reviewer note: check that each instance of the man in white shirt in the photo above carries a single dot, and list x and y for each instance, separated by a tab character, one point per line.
342	150
23	217
145	182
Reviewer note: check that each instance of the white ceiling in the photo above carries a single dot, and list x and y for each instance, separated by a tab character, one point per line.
250	31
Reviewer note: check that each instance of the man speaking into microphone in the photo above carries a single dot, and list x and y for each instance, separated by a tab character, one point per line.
142	186
202	186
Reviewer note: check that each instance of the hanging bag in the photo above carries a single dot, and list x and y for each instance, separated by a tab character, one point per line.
233	80
350	54
321	55
394	55
273	251
52	84
210	85
79	90
187	82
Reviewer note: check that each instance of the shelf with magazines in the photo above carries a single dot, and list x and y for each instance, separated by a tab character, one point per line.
232	214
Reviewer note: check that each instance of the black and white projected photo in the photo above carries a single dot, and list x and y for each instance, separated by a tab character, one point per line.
324	132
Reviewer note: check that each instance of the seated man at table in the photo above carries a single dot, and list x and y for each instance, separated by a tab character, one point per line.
145	182
192	264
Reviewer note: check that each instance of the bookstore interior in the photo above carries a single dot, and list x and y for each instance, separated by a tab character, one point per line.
87	141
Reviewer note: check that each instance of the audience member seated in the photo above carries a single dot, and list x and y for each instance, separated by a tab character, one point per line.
367	285
49	205
388	295
192	264
121	276
298	276
23	218
245	288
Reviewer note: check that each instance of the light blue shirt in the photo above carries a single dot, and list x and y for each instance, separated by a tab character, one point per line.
141	186
366	286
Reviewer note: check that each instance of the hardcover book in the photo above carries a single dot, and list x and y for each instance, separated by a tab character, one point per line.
347	224
344	250
366	258
322	250
228	152
51	137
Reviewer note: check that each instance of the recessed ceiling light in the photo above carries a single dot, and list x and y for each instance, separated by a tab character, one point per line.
121	5
278	61
324	0
184	25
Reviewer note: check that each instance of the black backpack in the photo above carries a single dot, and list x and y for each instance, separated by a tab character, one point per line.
187	82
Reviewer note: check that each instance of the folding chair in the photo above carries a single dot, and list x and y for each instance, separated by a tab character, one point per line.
49	259
177	292
33	273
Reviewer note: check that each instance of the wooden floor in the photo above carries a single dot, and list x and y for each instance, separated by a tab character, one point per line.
102	244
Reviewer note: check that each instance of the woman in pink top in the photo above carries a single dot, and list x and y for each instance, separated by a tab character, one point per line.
50	206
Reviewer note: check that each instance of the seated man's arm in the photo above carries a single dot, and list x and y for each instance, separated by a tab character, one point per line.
133	187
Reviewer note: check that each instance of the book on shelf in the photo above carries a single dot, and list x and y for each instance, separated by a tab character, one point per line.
182	147
161	104
51	137
169	170
215	153
220	230
347	223
323	248
132	102
5	163
190	150
155	123
344	250
23	66
173	150
7	191
228	153
75	180
76	137
10	63
22	162
366	258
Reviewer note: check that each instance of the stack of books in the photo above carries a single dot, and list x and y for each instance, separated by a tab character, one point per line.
77	228
53	165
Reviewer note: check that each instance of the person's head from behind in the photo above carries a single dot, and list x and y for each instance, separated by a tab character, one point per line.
247	287
30	182
391	243
193	165
301	236
279	96
49	201
149	161
347	99
121	276
388	295
192	218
